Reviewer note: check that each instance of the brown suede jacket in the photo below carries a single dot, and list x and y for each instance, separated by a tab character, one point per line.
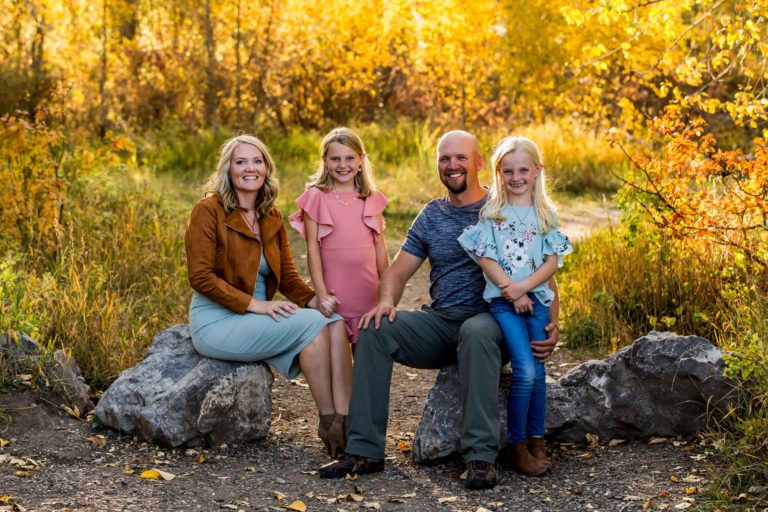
223	256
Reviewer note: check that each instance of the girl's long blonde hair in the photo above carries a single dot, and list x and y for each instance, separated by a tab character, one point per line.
499	196
323	180
220	183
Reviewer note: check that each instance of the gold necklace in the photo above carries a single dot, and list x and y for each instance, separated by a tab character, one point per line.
342	202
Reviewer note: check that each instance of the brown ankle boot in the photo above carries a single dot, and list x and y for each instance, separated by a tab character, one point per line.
537	447
323	428
523	462
337	436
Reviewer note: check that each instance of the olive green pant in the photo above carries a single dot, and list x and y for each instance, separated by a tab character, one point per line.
428	339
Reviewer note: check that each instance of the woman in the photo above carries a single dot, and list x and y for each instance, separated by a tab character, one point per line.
238	256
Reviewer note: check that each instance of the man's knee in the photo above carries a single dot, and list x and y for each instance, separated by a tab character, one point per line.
376	339
481	329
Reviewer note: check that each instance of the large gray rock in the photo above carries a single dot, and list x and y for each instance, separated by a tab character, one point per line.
176	396
663	384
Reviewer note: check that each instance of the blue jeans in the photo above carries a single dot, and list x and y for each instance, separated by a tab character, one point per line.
527	400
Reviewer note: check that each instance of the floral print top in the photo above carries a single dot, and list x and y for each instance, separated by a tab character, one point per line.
517	246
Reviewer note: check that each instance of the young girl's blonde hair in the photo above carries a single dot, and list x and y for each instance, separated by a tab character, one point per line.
499	196
220	183
323	180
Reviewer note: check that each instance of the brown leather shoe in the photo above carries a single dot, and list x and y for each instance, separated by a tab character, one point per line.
481	475
351	465
537	447
523	462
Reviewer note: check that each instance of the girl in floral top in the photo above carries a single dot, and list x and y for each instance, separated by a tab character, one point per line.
519	247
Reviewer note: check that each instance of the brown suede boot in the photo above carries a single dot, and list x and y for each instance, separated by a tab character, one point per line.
323	428
523	462
537	447
337	436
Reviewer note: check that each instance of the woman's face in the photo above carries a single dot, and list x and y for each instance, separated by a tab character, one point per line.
247	169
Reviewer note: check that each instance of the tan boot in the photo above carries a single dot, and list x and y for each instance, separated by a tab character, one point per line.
537	447
523	462
323	428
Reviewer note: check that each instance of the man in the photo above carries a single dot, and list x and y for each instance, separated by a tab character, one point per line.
455	328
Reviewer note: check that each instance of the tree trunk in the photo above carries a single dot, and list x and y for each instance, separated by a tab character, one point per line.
211	85
103	77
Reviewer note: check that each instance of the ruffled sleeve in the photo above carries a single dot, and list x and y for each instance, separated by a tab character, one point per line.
555	242
372	209
312	203
478	241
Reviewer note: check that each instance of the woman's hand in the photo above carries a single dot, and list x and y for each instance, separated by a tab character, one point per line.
272	308
523	305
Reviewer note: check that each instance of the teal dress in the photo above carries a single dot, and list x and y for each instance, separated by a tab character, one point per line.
220	333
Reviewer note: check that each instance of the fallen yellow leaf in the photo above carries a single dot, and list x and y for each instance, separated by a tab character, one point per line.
72	411
691	490
22	473
353	497
5	498
201	459
4	442
674	478
278	495
128	471
156	474
351	478
592	440
586	455
403	446
297	505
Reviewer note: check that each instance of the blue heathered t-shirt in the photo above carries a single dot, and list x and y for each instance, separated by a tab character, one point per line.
455	280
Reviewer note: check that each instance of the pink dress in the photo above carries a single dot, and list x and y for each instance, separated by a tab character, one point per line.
347	230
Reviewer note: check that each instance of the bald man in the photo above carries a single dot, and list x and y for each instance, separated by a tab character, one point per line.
455	328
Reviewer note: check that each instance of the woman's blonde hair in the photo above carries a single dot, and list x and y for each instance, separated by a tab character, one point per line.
220	183
499	196
323	180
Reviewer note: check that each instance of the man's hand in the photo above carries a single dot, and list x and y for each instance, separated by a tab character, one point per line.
379	310
543	349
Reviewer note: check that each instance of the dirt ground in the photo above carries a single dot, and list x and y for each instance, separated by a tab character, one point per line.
68	467
54	462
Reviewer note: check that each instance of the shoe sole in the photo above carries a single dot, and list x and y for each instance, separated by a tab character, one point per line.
479	485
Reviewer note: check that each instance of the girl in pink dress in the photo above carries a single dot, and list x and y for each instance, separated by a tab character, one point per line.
340	217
